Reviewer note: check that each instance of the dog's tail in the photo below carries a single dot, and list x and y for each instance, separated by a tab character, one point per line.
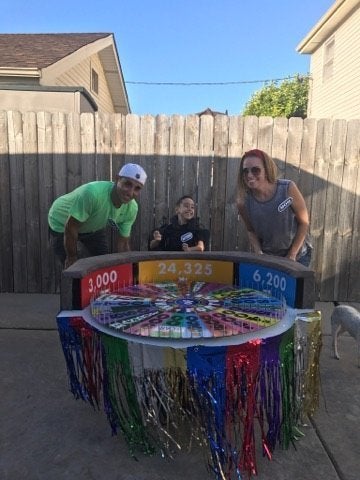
336	304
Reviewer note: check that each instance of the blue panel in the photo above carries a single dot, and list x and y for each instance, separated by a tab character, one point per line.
271	280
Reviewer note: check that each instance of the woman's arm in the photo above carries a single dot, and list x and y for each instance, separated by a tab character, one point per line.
302	217
253	239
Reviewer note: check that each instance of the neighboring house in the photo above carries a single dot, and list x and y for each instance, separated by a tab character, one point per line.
334	46
208	111
66	72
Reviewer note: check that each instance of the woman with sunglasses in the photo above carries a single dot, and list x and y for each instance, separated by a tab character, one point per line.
273	210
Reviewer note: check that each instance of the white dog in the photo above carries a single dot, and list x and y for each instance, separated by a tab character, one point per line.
345	319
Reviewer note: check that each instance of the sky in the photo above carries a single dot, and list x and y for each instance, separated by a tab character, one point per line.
185	41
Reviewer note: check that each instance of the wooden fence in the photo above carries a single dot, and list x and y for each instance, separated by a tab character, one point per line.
44	155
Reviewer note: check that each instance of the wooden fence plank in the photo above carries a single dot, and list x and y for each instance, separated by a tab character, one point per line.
117	160
353	293
176	161
308	146
74	160
322	158
160	177
6	250
192	130
347	208
31	182
307	159
60	181
331	210
132	154
118	143
235	237
279	144
265	134
221	135
103	146
147	196
17	182
133	138
293	150
46	197
204	183
88	151
250	135
59	154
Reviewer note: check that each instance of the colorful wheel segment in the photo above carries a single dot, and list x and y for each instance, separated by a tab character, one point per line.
186	311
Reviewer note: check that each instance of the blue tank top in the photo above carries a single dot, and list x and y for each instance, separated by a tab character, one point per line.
274	221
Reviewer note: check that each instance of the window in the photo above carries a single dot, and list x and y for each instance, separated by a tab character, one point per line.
328	67
94	81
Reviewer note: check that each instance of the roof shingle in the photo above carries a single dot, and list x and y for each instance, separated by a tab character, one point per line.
41	50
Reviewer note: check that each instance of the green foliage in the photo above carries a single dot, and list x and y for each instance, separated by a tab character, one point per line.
286	99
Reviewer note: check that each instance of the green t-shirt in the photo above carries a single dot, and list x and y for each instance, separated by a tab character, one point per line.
91	205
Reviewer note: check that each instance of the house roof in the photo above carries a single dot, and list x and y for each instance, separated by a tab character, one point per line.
327	25
47	55
41	50
208	111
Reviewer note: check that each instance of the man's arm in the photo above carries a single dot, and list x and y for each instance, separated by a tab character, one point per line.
71	233
123	244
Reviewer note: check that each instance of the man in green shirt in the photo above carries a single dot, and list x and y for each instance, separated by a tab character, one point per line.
82	214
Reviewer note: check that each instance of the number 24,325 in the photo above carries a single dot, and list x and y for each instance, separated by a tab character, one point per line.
188	268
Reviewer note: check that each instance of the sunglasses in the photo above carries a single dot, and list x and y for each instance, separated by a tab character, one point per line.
254	170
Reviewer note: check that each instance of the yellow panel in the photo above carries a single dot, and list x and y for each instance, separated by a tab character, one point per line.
186	270
175	358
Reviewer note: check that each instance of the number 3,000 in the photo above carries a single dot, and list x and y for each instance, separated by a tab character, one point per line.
102	280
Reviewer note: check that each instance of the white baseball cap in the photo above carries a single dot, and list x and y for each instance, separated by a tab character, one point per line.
134	171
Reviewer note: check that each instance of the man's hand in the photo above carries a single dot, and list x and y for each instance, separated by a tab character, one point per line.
123	244
71	233
69	261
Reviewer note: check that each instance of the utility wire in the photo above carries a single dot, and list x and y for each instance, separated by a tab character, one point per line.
212	83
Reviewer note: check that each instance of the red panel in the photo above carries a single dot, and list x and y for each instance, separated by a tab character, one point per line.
108	279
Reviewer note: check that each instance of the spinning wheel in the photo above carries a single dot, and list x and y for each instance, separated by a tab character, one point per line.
186	310
213	342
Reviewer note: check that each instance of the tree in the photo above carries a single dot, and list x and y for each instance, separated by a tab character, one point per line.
287	99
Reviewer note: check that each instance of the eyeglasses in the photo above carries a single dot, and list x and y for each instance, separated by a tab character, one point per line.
254	170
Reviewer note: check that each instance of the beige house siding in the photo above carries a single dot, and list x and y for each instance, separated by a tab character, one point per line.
48	65
338	96
4	80
37	101
81	75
